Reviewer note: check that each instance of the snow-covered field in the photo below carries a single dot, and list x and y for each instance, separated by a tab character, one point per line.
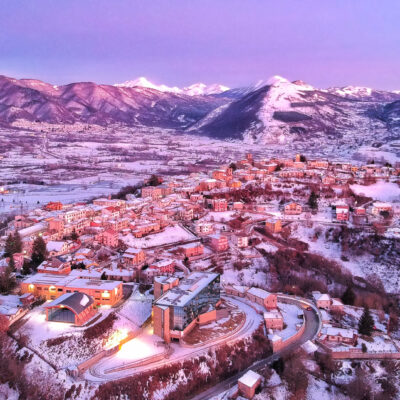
383	191
171	234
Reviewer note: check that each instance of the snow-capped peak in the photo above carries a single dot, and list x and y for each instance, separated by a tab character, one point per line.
351	91
197	89
144	82
276	80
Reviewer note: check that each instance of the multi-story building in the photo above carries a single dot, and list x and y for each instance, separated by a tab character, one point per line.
193	301
220	205
51	286
293	209
273	225
219	242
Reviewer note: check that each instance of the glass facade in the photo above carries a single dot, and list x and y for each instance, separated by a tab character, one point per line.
204	301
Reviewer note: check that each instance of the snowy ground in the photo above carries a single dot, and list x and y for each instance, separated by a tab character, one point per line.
290	318
137	308
72	349
147	343
171	234
382	191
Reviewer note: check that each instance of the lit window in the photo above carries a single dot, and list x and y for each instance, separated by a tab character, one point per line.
105	294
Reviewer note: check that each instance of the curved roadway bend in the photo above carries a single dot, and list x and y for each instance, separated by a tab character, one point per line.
96	372
311	329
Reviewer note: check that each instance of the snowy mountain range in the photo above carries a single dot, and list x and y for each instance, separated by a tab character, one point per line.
197	89
271	111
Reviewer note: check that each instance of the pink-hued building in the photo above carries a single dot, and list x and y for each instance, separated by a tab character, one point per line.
134	256
219	242
53	206
248	384
164	283
220	205
262	297
204	228
342	212
56	265
238	205
322	300
336	305
359	211
338	335
293	209
110	238
273	225
273	320
56	248
192	250
241	240
162	267
379	207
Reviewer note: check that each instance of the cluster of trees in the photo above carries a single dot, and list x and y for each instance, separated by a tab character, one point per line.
7	278
224	362
312	201
101	328
18	374
13	244
363	387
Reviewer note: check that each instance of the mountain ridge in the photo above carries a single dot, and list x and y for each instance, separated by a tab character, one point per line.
271	111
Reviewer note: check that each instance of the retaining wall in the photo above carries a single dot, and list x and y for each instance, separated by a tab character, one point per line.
356	353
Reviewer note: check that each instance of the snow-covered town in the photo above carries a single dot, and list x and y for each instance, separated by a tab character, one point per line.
199	200
275	255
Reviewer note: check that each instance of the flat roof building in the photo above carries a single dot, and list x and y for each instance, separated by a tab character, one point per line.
50	287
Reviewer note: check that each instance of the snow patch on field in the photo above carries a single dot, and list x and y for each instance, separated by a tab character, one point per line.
383	191
171	234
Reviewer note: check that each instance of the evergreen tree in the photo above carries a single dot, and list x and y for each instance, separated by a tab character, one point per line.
103	276
13	244
313	201
9	247
154	180
11	264
278	365
26	268
366	324
233	166
39	252
7	281
74	235
17	243
348	296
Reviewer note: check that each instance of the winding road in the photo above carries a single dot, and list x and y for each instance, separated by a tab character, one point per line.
312	325
99	374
